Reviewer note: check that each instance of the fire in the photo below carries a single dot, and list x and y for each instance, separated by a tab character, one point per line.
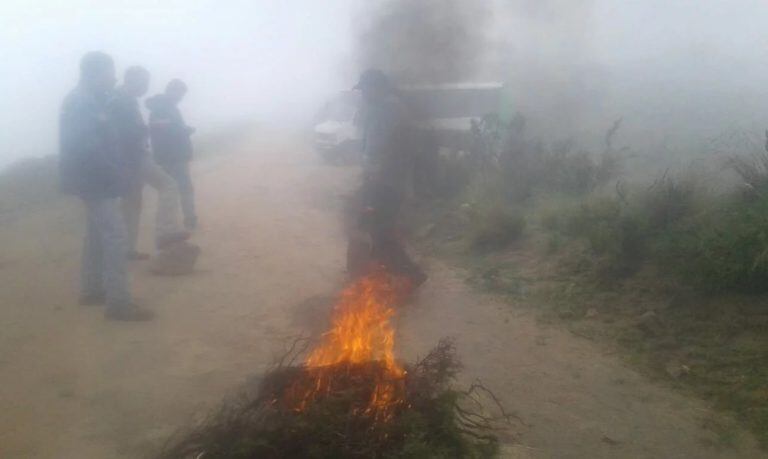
361	339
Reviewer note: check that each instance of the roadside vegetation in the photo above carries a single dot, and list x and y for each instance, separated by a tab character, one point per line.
672	268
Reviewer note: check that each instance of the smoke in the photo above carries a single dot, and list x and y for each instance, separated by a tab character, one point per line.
540	48
680	74
244	61
545	52
425	41
684	69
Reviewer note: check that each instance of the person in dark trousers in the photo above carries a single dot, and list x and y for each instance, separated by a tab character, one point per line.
133	137
172	145
387	167
92	169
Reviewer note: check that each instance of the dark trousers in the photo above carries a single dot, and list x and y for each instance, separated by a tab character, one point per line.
381	207
388	250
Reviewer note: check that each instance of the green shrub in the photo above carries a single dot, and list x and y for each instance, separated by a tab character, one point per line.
669	200
569	173
528	167
553	217
495	227
725	249
619	230
538	170
613	234
609	167
753	171
592	214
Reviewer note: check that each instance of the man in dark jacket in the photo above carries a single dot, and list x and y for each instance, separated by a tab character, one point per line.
172	145
386	169
92	168
133	136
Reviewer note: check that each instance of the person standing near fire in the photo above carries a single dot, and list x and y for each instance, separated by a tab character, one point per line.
172	145
387	169
133	140
92	168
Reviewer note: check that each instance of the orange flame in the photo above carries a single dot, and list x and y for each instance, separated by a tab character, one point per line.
361	333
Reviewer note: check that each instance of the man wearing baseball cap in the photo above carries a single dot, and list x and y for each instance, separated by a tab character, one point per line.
387	163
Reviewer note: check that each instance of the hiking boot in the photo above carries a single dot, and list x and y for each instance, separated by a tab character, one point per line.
94	299
177	260
170	239
129	313
134	255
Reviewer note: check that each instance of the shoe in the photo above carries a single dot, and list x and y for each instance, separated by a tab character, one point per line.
129	313
170	239
177	260
133	255
190	223
97	299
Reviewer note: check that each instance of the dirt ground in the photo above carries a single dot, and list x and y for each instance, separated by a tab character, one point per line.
75	386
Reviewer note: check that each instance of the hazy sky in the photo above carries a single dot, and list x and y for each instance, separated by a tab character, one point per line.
275	61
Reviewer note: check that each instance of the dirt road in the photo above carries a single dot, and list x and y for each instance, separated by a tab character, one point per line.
75	386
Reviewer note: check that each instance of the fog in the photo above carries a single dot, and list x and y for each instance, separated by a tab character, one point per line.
241	60
584	275
679	71
676	70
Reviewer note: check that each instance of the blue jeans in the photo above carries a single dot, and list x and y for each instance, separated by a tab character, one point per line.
179	171
104	264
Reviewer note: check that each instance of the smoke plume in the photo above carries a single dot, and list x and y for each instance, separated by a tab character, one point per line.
425	41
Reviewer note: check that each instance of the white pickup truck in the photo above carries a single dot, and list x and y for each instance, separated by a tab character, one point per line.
446	111
335	135
443	111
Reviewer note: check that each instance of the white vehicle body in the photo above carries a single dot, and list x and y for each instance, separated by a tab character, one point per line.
445	111
335	135
331	134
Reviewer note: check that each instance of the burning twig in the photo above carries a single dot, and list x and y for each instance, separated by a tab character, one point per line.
351	397
430	422
297	348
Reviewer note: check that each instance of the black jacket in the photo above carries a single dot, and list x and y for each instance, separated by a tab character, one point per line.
90	164
132	133
168	131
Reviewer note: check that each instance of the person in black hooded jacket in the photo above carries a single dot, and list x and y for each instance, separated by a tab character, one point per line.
133	136
171	144
92	169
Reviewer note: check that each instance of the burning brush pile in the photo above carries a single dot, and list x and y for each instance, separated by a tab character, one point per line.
351	398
